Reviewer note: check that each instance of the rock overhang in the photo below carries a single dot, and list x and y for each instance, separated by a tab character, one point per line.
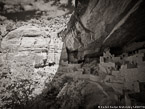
114	24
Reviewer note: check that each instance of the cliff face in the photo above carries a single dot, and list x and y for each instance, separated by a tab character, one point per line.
99	24
29	53
81	73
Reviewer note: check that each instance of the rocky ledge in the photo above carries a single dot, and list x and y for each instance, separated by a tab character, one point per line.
98	24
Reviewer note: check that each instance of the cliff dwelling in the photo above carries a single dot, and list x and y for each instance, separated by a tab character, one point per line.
72	54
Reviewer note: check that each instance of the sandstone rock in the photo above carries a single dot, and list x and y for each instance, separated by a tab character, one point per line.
28	7
105	95
28	51
102	23
22	37
88	92
72	43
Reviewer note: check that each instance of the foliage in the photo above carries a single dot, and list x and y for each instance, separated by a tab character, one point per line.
58	95
16	88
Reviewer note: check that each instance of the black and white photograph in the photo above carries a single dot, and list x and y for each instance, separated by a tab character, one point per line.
72	54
